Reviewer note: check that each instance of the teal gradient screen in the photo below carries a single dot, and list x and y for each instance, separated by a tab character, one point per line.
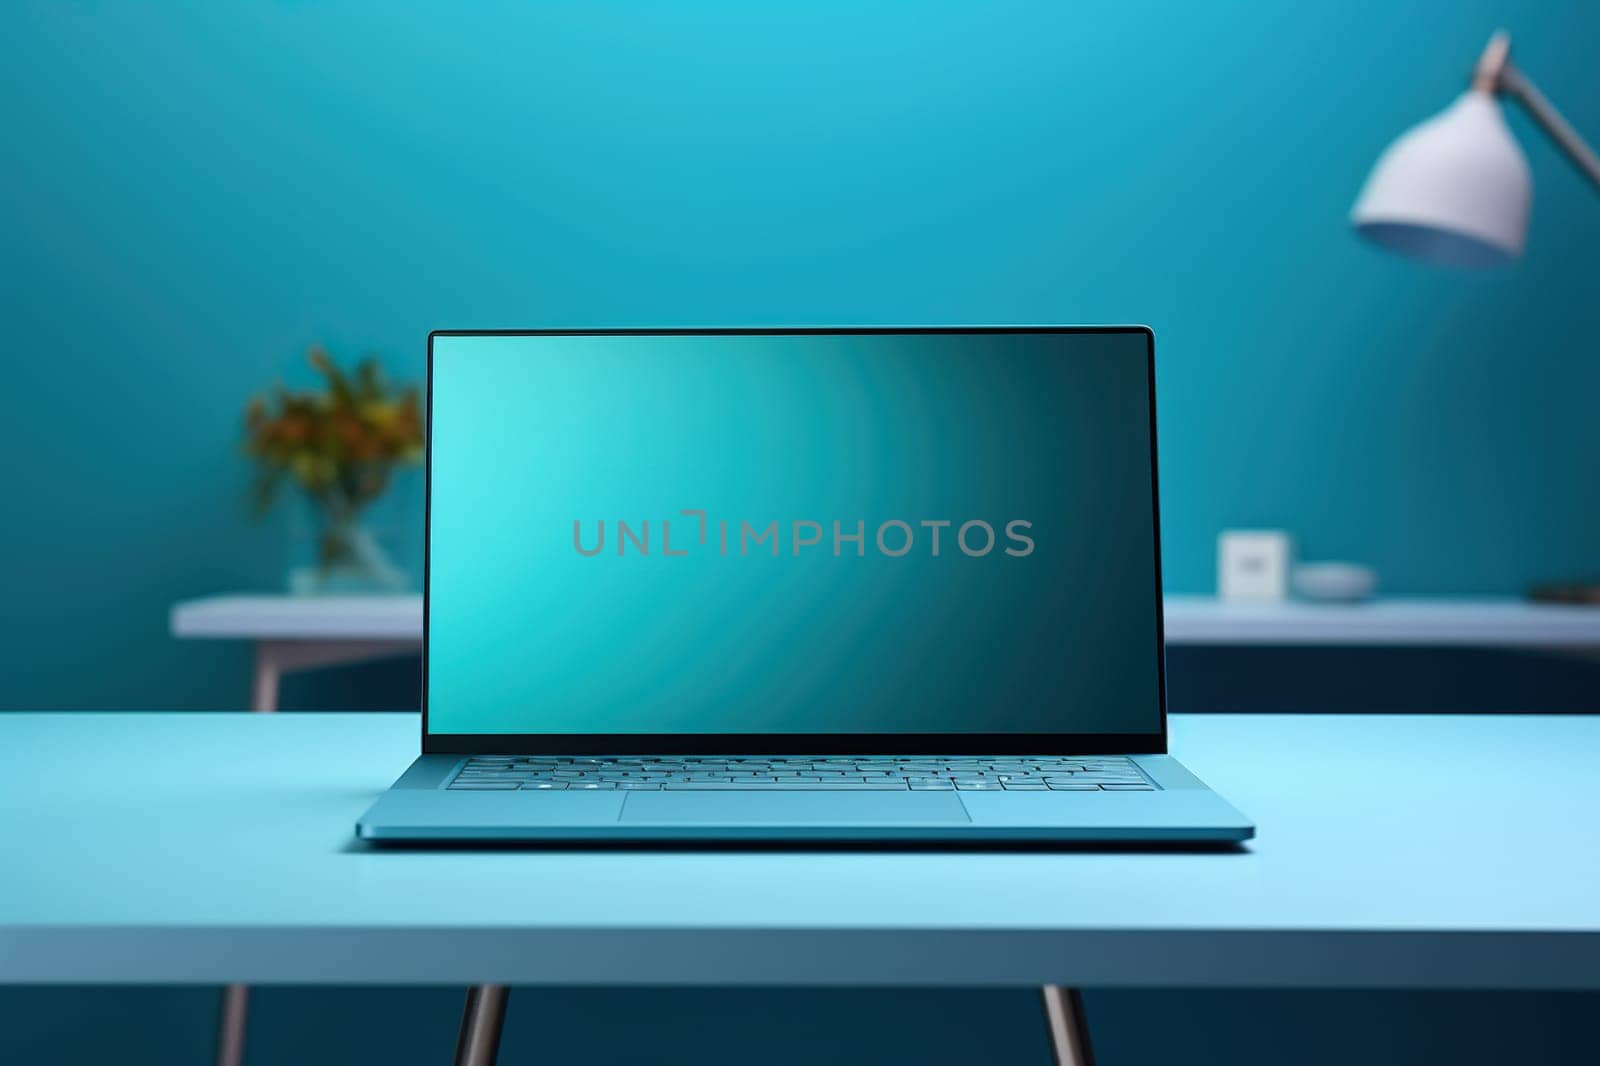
840	533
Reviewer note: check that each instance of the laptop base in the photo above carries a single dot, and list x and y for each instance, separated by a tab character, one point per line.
420	809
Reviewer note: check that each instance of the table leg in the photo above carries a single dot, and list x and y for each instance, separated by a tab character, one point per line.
264	679
272	659
478	1043
276	656
236	998
1069	1033
231	1025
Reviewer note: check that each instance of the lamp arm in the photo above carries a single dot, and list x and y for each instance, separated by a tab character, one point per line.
1514	83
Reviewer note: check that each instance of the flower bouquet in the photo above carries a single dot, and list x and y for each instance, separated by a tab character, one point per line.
341	445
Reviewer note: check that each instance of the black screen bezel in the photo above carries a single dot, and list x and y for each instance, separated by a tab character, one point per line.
801	743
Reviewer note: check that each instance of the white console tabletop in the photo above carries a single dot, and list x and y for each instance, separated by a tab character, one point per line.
268	617
293	633
1499	623
300	632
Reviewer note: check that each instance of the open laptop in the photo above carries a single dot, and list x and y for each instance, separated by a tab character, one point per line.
794	584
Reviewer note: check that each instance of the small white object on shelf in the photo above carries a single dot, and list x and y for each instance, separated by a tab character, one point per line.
1253	564
1334	582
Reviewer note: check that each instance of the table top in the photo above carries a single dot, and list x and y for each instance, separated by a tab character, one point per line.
1189	620
282	617
1394	851
1416	621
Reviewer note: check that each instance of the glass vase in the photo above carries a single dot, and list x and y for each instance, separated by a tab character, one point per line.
337	553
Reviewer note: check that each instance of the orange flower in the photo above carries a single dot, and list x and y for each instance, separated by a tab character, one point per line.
340	443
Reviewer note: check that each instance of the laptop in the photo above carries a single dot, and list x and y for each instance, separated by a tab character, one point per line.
794	585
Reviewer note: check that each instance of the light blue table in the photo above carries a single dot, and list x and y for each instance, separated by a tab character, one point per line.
1394	852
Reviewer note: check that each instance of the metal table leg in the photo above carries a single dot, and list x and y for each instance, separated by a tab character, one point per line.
264	677
1069	1033
231	1025
478	1043
276	657
273	659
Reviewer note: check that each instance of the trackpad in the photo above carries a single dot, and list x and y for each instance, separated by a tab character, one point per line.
795	808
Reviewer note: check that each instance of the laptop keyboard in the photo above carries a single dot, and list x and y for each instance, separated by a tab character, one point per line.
881	773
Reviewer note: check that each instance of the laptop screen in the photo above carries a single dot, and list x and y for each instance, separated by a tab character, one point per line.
859	535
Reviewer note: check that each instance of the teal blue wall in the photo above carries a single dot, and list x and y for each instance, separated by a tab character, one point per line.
190	194
193	193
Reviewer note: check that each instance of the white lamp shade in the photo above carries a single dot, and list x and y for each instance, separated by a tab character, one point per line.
1453	191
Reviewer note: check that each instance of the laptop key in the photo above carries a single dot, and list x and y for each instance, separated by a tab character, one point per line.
544	786
484	786
1058	786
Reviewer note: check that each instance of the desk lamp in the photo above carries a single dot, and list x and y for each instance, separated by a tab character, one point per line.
1454	190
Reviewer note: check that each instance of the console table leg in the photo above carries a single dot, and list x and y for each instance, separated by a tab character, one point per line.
264	678
478	1043
231	1025
1069	1033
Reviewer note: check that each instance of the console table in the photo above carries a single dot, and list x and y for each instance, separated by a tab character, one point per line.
297	633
